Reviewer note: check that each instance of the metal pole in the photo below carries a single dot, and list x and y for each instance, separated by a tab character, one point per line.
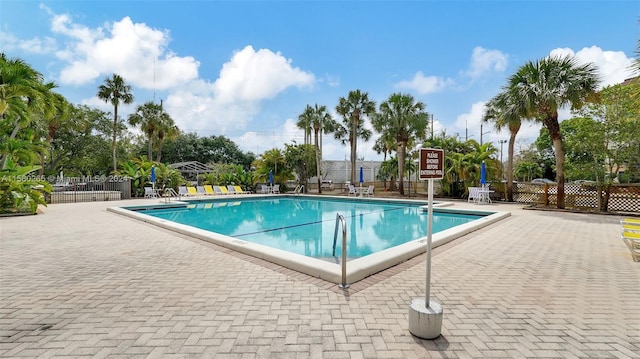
429	232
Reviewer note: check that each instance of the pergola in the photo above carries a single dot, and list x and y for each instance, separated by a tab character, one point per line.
191	169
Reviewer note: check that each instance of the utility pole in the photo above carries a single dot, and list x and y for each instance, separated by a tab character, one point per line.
502	142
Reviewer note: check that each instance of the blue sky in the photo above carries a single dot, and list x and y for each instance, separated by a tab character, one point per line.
247	69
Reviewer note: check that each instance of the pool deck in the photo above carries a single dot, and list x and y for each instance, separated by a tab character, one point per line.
79	281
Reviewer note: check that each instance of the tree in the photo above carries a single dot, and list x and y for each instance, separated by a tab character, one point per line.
319	120
354	109
404	120
114	91
301	159
147	117
540	88
500	110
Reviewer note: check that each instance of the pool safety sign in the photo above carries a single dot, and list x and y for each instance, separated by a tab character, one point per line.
431	163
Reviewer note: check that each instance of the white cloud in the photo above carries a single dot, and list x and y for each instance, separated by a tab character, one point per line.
256	75
230	103
425	84
613	66
484	61
9	42
135	51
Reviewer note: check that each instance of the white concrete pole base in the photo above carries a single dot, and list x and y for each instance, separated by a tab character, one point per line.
425	323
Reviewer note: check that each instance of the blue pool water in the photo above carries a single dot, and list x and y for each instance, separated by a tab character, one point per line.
306	226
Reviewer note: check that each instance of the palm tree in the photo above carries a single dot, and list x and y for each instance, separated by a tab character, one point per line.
404	120
353	109
540	88
304	123
24	98
166	130
500	110
147	116
115	90
319	120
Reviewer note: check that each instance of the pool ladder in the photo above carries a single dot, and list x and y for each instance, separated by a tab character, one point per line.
299	189
168	193
340	220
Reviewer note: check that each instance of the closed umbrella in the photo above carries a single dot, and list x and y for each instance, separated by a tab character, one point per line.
153	176
361	176
271	178
483	174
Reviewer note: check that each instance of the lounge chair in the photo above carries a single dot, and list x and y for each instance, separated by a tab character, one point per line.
150	193
182	191
264	189
632	240
276	188
353	190
192	191
209	190
220	190
201	191
231	189
239	190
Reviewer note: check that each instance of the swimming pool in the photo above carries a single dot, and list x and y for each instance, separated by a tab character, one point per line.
298	231
306	226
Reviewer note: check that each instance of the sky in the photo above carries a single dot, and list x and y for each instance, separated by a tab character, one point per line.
247	69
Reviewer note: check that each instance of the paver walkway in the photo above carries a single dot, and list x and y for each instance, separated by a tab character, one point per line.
79	281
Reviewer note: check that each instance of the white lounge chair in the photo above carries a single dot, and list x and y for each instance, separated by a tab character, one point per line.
276	188
231	189
353	190
182	191
264	189
201	191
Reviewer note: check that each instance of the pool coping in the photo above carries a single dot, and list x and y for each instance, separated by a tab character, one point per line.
357	269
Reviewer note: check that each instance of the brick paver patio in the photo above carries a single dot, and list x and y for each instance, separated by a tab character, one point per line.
79	281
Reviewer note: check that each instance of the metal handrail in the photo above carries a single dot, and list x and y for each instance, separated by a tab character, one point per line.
168	193
340	219
299	189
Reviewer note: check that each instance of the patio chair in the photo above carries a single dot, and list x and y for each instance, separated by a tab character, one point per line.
370	191
192	191
150	193
231	189
474	195
201	191
632	240
276	188
239	190
182	191
353	190
218	190
209	190
264	189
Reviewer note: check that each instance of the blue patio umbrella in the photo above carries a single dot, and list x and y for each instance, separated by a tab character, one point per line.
271	177
153	176
361	176
483	174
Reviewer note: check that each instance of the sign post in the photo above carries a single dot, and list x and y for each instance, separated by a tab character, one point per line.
425	315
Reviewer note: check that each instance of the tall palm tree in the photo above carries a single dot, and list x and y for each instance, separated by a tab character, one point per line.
304	123
115	90
353	109
500	110
147	116
318	120
404	120
540	88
